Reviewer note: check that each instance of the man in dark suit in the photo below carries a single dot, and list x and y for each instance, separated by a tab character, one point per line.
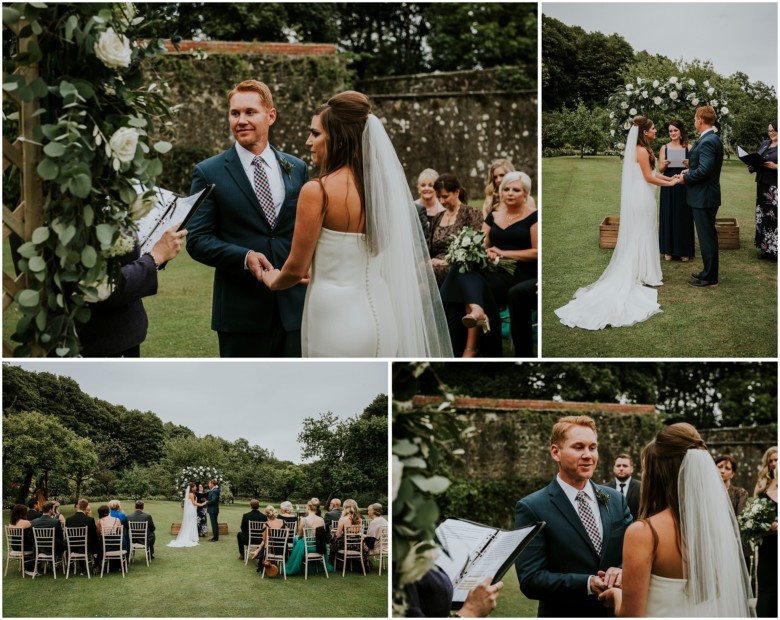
702	179
254	514
212	507
246	225
578	554
48	520
625	483
32	509
143	517
80	518
334	513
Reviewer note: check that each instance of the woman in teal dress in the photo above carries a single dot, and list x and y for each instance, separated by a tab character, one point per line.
297	559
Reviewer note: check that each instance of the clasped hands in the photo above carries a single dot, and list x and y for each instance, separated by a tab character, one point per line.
262	269
605	584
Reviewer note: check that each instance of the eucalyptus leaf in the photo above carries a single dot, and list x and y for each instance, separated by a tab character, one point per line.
433	485
404	447
88	256
39	88
62	351
40	235
37	263
28	250
137	121
70	25
80	185
88	213
11	16
40	319
82	314
28	298
154	169
415	461
54	149
67	234
67	89
105	234
162	146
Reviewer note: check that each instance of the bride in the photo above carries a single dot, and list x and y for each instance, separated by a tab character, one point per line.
683	557
372	291
188	533
619	297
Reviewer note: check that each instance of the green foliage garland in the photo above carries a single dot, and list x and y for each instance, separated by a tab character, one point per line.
99	116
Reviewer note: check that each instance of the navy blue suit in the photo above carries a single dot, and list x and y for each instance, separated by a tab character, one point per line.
212	507
227	225
703	196
556	565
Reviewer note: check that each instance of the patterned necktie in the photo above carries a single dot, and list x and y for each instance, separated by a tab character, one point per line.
263	191
588	520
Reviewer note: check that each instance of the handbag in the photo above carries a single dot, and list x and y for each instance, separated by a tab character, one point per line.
271	569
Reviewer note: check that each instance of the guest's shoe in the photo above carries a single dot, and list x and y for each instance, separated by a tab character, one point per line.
697	276
667	257
470	321
702	284
213	539
241	557
684	259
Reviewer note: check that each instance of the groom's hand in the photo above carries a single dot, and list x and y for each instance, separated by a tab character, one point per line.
257	263
612	578
597	585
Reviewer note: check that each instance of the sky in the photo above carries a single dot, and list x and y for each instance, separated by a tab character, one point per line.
264	402
739	37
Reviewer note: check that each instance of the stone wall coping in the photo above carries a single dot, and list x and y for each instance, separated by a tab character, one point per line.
510	404
251	47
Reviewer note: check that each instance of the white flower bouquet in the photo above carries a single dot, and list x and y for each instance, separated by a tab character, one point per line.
467	250
755	520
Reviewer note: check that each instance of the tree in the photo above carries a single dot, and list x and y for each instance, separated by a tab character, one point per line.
135	482
586	130
80	463
754	105
559	62
602	59
377	408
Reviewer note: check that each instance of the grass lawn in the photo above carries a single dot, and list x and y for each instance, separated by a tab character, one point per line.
736	319
203	581
511	602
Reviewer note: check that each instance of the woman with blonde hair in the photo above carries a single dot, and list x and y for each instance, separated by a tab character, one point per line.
350	515
273	523
766	487
312	520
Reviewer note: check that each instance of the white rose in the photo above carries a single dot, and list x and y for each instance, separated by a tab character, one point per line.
398	471
694	101
123	144
724	110
639	80
632	111
673	94
657	100
611	132
103	290
627	125
141	206
465	242
673	80
656	83
624	105
692	82
113	49
706	83
629	86
644	94
714	103
611	115
415	565
710	90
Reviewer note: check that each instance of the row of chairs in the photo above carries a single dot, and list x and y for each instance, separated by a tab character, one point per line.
75	548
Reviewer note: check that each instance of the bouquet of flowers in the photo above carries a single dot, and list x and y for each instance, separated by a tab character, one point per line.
467	250
756	519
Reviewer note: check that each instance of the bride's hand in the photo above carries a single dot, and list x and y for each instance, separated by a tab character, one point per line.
611	598
269	277
307	278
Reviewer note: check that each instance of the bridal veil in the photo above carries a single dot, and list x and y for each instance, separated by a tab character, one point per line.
395	238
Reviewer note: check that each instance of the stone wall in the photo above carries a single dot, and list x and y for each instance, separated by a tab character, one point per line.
453	122
745	445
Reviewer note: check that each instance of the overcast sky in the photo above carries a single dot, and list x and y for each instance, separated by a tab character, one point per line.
263	402
733	36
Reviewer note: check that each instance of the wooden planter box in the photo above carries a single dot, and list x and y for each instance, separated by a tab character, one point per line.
728	233
726	227
223	528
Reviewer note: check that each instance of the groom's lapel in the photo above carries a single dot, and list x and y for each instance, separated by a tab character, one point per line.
236	171
606	522
562	503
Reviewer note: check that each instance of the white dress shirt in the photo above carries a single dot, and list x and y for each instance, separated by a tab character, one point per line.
272	170
626	482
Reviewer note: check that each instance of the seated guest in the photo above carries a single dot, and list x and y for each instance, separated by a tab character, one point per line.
295	564
33	509
106	522
511	234
334	513
57	514
349	516
496	173
140	516
371	541
81	518
19	518
274	523
48	520
287	515
116	511
428	206
254	514
456	216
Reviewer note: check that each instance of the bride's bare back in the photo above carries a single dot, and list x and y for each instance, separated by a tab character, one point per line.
343	212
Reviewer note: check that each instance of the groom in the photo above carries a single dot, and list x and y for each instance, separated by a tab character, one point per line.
702	178
247	224
578	555
212	507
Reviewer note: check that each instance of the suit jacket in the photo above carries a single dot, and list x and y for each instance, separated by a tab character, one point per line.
227	225
702	182
79	519
144	517
332	517
33	514
632	494
556	565
252	515
212	507
47	521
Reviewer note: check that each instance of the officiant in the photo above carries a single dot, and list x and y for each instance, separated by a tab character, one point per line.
766	197
118	323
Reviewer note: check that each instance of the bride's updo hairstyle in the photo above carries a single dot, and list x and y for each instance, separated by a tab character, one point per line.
644	124
661	462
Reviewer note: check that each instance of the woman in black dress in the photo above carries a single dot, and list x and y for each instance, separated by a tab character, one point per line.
200	497
511	233
766	197
766	605
675	225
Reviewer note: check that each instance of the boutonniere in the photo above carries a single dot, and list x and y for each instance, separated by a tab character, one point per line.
286	166
602	498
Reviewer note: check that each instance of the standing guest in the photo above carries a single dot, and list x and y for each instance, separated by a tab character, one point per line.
82	518
48	520
334	513
727	467
675	224
116	511
766	487
623	482
200	498
428	205
511	233
140	516
766	201
19	518
247	221
448	223
373	534
33	509
254	514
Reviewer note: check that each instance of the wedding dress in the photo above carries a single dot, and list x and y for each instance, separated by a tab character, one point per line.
716	584
188	533
374	294
619	297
